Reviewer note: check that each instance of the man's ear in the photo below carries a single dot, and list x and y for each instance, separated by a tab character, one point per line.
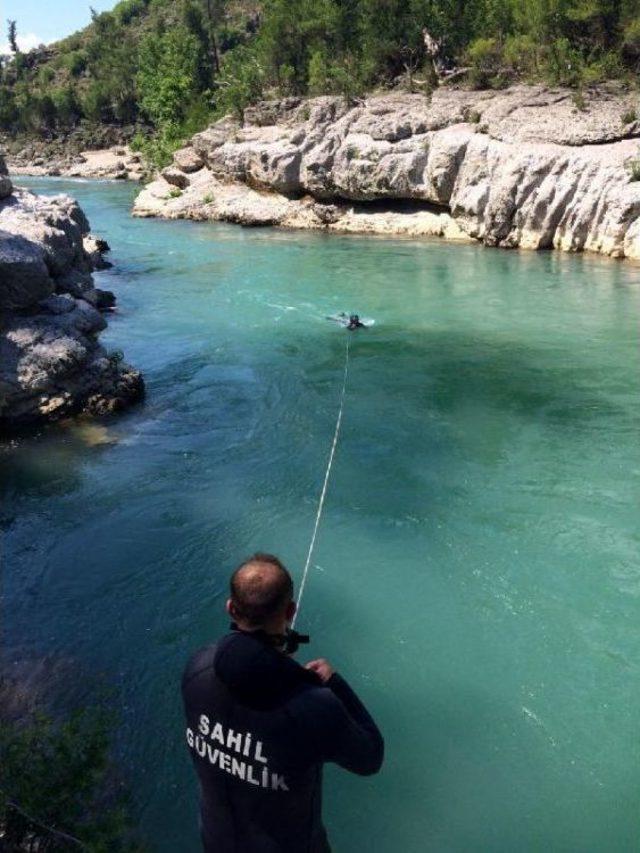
290	611
230	608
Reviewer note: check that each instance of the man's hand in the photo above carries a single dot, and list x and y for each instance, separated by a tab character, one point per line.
322	669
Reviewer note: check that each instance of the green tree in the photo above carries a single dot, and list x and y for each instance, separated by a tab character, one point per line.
318	74
168	73
112	63
12	36
8	109
292	30
241	81
67	107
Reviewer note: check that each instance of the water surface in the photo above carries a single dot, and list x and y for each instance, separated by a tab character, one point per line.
476	576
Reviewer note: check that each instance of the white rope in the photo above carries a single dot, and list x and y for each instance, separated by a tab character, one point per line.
323	493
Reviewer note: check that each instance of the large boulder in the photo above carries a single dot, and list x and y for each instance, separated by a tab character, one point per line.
24	275
6	187
51	363
188	160
95	249
175	177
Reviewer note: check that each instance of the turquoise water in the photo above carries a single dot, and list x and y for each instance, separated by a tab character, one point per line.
476	576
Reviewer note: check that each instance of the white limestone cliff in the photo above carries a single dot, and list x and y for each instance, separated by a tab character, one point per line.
522	167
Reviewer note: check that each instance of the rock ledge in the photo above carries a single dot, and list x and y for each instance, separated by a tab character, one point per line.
522	167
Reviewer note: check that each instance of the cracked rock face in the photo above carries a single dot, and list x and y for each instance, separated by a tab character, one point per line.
51	361
520	167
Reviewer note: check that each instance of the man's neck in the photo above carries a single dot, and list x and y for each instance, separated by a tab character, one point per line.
275	628
274	631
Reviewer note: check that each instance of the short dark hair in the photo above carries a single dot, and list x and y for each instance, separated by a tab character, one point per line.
257	596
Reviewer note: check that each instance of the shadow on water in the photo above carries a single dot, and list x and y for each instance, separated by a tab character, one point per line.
427	378
505	375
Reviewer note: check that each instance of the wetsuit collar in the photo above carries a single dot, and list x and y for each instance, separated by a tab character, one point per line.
254	670
289	642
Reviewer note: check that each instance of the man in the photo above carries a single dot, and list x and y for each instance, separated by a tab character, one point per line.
260	726
354	323
350	321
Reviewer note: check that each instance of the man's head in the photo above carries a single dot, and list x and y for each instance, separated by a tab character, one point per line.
261	595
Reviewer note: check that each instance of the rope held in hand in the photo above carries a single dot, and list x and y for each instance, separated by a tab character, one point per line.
323	493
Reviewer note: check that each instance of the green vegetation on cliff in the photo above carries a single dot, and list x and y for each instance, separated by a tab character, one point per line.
168	66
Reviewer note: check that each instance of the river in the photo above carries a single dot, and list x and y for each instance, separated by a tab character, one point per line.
477	572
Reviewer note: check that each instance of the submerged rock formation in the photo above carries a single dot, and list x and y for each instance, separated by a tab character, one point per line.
522	167
51	363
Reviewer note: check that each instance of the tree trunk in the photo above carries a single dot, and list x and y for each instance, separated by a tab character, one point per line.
215	59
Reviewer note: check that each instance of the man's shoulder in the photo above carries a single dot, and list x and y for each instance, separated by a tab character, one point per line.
200	661
315	702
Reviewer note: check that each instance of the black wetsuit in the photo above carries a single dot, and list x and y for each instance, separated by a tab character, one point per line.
259	728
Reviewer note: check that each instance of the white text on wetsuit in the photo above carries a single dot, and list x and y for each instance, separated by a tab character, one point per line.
243	744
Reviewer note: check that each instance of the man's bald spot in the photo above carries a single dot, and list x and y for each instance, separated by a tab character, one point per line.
260	588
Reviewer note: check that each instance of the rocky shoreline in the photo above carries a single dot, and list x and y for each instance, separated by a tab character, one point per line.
51	314
527	167
118	163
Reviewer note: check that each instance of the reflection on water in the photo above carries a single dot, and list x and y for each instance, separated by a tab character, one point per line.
476	573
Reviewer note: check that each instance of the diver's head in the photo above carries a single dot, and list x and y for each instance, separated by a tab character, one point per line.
261	595
354	318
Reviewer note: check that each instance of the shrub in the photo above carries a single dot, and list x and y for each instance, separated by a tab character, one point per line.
521	55
471	116
45	75
240	82
8	108
606	67
318	73
57	777
68	110
76	62
175	192
564	63
127	10
46	112
138	141
287	82
95	104
633	167
347	78
579	101
630	47
629	117
485	58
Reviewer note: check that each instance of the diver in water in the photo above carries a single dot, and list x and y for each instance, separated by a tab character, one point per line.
350	321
